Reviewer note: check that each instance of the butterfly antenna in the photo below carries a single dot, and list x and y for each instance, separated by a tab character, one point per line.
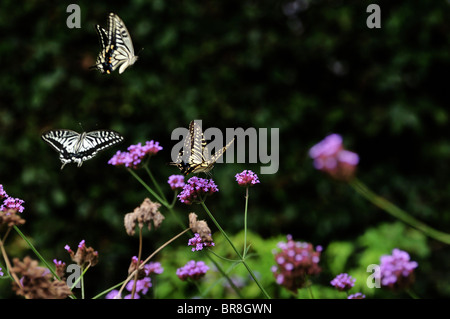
82	129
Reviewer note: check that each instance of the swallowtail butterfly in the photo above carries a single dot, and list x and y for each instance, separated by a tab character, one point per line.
198	159
74	147
117	48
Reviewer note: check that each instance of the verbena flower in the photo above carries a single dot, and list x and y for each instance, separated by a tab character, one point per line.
357	295
343	282
1	273
2	192
192	270
201	228
330	157
153	268
176	182
143	282
142	285
198	243
247	178
396	270
135	155
196	189
113	294
10	202
295	262
60	267
84	255
13	203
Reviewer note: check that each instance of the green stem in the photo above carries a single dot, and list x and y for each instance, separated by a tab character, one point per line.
156	185
36	252
245	222
224	274
250	271
108	290
82	282
395	211
147	187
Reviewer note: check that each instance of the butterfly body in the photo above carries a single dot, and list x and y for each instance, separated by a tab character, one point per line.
74	147
194	157
117	49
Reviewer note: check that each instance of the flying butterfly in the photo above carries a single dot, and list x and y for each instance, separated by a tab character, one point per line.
116	47
198	158
74	147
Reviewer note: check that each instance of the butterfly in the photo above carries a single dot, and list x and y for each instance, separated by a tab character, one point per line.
198	159
116	47
74	147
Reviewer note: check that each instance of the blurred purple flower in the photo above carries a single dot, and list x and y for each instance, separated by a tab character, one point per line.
113	294
176	182
357	295
192	270
330	156
247	178
343	282
396	270
295	262
153	268
1	273
135	155
196	189
198	243
142	285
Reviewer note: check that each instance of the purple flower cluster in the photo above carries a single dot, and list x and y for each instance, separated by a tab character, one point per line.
142	285
196	189
1	273
192	270
330	156
135	155
153	268
295	262
176	182
357	295
396	270
247	178
198	243
343	282
10	202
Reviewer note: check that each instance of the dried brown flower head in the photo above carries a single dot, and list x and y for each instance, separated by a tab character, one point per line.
134	265
11	217
84	255
36	282
144	214
200	227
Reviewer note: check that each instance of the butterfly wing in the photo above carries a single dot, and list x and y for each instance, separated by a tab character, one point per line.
219	153
75	147
99	140
124	50
64	142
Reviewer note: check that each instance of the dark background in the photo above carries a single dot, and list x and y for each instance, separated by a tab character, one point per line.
309	72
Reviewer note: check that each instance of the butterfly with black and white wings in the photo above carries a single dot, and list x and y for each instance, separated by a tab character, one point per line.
74	147
117	49
195	157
